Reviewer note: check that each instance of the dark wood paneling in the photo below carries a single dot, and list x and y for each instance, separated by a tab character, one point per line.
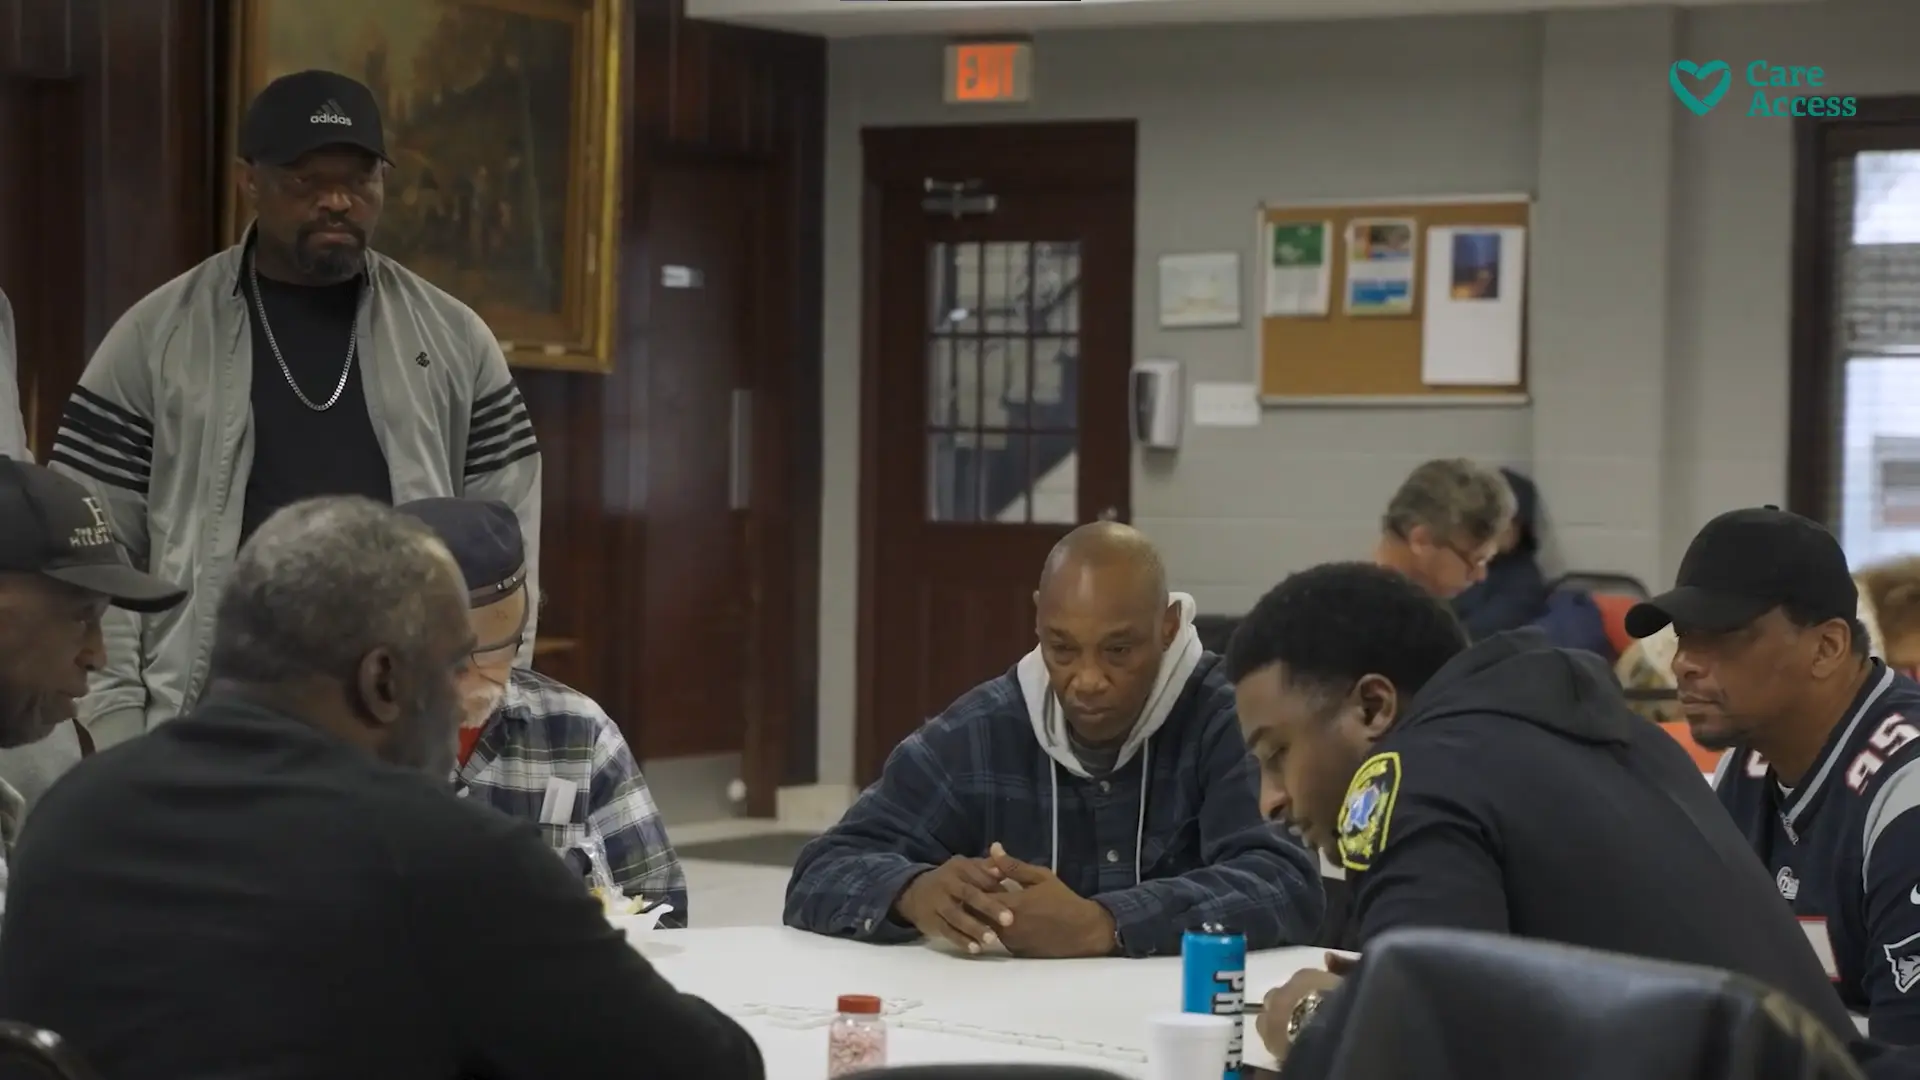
1816	393
712	93
42	242
149	74
143	74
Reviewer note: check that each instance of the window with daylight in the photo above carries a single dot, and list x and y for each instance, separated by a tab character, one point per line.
1877	295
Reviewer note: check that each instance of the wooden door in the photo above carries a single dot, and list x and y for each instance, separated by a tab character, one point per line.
699	625
995	376
42	244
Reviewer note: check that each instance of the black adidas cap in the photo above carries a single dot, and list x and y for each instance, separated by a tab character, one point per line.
307	111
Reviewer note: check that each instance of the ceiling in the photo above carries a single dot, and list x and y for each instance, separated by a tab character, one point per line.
869	18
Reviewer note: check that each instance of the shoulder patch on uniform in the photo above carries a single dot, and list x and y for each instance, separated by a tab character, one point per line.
1368	811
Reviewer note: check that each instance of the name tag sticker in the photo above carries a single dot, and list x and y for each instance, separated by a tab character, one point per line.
556	807
1816	931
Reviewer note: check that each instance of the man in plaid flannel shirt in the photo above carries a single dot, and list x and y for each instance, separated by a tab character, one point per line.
1098	799
537	749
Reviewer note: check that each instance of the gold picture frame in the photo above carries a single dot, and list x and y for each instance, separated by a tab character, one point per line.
442	69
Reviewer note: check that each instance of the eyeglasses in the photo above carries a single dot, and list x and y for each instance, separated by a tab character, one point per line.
497	651
1475	563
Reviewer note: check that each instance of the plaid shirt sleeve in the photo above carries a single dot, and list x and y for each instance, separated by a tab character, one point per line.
621	812
910	821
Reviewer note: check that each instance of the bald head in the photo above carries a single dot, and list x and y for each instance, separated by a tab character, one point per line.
1104	620
1109	556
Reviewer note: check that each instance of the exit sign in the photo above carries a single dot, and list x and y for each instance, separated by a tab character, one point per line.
989	72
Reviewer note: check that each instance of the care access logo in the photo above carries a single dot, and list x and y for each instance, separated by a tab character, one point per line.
1778	89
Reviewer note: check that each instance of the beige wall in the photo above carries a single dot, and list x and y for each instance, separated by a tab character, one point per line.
1659	311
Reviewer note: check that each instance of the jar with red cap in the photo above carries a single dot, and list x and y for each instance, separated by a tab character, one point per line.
857	1039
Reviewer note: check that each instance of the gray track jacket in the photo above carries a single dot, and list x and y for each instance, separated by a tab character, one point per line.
160	430
13	427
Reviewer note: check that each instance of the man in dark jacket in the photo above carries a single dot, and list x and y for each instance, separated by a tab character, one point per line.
280	885
1501	787
1105	776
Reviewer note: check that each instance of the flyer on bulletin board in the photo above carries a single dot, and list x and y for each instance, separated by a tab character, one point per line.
1297	278
1380	266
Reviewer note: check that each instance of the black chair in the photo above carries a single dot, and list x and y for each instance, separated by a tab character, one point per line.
27	1051
1215	631
1600	581
1453	1005
989	1073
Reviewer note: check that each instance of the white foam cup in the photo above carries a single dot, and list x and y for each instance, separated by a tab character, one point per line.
1188	1046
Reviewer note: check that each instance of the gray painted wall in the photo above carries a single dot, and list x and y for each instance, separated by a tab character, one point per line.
1659	307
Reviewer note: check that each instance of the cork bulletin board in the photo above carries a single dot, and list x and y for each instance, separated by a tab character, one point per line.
1340	358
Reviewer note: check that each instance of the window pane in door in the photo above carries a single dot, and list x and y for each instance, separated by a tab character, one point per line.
953	477
1002	382
1055	484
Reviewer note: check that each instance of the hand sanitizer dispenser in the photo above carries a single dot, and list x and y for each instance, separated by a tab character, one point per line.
1157	403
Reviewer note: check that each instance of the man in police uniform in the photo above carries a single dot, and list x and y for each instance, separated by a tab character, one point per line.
1503	787
1821	776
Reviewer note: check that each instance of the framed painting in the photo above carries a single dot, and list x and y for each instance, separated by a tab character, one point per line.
502	120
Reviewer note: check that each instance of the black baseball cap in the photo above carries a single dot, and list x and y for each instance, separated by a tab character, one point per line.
1744	564
299	113
49	525
484	537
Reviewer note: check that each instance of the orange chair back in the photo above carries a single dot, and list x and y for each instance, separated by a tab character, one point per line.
1613	615
1708	760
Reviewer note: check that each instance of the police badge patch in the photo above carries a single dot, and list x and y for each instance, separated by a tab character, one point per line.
1368	810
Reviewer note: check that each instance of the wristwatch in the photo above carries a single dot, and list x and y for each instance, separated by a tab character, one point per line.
1302	1014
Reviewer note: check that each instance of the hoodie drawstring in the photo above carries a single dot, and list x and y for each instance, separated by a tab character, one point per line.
1139	826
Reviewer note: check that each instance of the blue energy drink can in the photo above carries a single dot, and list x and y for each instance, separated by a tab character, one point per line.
1213	979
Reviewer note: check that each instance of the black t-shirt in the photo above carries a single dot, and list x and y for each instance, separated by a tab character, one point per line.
299	453
241	894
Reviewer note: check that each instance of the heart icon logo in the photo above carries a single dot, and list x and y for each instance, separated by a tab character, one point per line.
1701	105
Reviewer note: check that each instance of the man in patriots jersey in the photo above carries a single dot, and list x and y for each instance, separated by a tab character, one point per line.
1823	765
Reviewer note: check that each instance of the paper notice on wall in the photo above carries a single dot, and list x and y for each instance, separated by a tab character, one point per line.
1298	281
1475	295
1224	404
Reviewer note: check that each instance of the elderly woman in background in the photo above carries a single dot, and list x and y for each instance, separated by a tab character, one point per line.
1444	526
1514	593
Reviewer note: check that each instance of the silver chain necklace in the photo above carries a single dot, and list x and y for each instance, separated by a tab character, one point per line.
353	339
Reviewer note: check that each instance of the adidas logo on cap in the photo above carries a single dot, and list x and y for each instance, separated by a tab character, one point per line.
331	113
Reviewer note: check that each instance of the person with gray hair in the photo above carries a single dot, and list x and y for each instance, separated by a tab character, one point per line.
287	862
1444	525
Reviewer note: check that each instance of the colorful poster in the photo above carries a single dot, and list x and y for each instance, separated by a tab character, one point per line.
1380	266
1476	266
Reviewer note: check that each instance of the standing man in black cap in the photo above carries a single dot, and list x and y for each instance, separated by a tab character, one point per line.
59	571
297	363
1823	765
537	749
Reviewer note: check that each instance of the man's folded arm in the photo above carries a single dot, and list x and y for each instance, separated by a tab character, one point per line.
910	821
